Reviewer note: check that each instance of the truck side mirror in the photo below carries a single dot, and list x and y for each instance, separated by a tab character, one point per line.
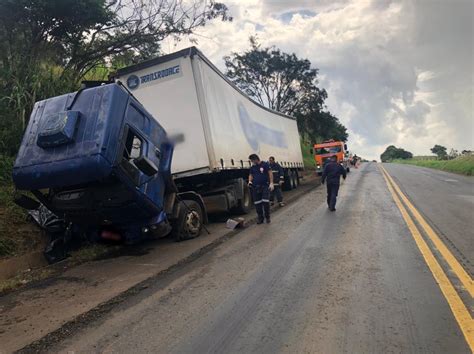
345	146
145	165
311	151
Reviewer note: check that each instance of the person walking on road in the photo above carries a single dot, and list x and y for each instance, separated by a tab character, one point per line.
261	184
355	159
332	175
278	178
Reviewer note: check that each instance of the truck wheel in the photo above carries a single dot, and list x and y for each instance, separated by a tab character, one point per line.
288	183
244	204
188	225
294	180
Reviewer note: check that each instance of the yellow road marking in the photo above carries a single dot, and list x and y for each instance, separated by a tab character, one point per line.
456	267
461	313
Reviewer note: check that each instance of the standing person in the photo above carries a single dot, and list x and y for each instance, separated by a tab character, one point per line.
261	184
278	179
332	175
355	158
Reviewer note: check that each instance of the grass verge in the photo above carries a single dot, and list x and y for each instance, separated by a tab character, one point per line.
308	158
17	234
462	165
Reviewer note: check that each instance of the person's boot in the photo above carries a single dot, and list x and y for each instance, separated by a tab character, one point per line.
268	220
281	204
259	221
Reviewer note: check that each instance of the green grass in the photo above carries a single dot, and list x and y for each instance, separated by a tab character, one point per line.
17	235
462	165
308	158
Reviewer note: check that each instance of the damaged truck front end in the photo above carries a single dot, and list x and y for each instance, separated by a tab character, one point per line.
98	162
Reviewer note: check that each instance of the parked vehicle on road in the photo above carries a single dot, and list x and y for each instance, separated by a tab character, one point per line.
324	151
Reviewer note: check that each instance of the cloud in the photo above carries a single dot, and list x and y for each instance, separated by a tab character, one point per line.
397	72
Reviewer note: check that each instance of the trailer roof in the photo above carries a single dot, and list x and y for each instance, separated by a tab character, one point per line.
191	51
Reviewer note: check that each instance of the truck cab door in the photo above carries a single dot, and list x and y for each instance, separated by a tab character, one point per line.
133	147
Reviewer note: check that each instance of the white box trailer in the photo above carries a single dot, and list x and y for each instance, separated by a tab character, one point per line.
220	126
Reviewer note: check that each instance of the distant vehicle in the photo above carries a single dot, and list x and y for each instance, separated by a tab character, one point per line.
105	162
324	151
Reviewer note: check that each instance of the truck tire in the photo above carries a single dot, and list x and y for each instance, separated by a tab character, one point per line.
288	182
294	180
189	222
245	204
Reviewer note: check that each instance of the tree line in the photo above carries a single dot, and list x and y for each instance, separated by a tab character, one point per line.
441	152
47	47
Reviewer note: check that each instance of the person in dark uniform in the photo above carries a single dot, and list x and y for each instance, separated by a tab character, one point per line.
278	179
332	175
261	184
354	160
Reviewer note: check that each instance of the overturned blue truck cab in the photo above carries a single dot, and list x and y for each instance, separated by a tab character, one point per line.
99	162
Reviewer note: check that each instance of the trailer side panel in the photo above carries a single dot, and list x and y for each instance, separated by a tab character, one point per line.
239	127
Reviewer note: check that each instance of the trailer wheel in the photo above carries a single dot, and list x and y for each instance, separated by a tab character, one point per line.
288	182
294	182
244	204
296	179
189	223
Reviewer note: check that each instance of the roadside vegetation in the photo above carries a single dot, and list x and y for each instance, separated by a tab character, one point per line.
454	161
461	165
16	234
392	152
308	158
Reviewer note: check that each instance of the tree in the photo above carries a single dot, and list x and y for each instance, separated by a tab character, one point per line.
453	153
287	84
48	46
392	153
320	126
440	151
275	79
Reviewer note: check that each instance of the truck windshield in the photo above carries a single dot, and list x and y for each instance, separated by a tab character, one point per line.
328	150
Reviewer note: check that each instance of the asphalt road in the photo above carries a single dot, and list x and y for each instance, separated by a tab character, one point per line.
311	282
446	200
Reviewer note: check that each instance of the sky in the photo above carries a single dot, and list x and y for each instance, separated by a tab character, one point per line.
396	72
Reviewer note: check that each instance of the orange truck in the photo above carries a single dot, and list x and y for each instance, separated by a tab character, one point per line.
324	151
